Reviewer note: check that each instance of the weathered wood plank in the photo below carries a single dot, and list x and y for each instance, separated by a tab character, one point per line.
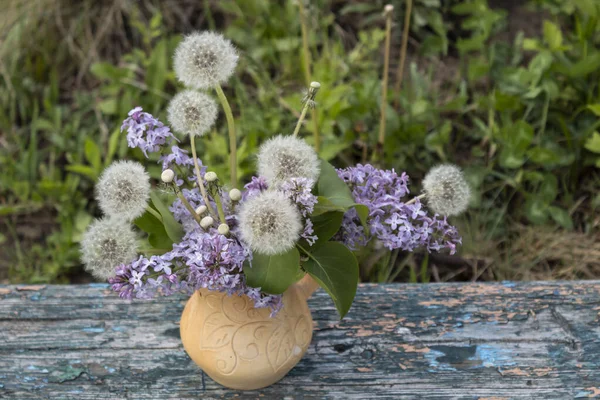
456	341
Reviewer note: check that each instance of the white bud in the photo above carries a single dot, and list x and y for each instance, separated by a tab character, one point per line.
223	229
206	222
388	9
201	209
315	85
167	176
210	176
235	195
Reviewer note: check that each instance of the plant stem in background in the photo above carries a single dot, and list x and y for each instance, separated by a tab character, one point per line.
199	178
232	135
309	102
388	11
414	199
307	60
400	71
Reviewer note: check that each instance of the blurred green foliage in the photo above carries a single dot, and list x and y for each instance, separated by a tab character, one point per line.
520	113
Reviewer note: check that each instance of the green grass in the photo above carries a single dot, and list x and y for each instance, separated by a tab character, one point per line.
519	114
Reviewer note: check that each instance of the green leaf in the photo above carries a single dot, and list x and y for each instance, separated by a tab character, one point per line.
333	188
561	217
92	154
172	227
113	143
582	68
157	235
273	274
324	205
593	143
335	268
549	188
536	211
595	108
83	170
552	35
326	225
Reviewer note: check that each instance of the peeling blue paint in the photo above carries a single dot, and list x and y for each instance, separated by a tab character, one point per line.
434	364
492	356
119	328
98	285
35	297
582	394
1	385
37	369
508	284
94	330
74	361
110	369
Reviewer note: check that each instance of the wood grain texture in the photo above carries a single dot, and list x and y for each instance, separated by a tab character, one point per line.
436	341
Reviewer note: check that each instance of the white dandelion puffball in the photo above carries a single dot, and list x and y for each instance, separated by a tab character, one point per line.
285	157
123	190
446	190
269	223
106	244
192	113
204	60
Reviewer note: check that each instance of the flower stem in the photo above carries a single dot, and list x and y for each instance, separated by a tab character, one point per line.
309	101
232	135
384	83
187	205
217	198
400	71
414	199
199	178
306	58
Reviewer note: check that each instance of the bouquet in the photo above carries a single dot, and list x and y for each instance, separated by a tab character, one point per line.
299	215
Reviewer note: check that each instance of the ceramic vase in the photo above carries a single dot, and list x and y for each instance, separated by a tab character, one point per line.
242	347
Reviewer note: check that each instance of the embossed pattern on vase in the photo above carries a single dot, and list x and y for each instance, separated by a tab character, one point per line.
243	347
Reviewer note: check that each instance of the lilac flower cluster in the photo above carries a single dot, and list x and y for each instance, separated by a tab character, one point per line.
395	224
299	191
203	259
146	132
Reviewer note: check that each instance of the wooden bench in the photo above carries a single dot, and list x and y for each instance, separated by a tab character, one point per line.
460	341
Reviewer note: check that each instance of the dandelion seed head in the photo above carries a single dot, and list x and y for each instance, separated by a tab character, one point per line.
106	244
192	113
269	223
204	60
447	191
123	190
284	157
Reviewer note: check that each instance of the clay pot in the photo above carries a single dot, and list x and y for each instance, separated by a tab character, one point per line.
240	346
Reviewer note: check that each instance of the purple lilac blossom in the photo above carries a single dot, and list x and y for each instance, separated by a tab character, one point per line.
299	191
254	187
201	260
395	224
146	132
